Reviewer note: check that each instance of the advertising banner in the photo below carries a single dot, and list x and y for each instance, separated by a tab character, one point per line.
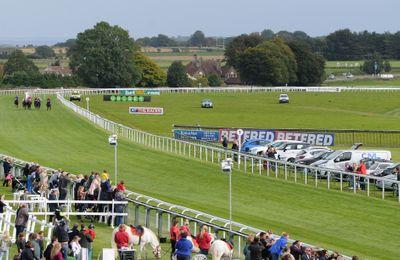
208	136
324	139
146	110
120	98
139	92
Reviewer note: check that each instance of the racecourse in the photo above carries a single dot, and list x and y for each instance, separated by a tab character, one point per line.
345	222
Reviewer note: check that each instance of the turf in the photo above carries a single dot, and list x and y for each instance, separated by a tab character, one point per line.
349	223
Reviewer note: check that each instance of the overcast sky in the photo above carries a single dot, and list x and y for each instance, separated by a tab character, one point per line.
62	19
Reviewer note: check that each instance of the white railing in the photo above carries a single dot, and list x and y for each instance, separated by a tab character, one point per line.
231	89
329	178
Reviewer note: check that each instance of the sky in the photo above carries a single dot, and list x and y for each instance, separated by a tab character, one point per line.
55	20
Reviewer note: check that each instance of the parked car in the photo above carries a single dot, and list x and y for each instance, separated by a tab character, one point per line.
206	103
312	154
338	159
376	167
75	95
386	171
251	143
390	182
289	150
331	76
283	98
261	149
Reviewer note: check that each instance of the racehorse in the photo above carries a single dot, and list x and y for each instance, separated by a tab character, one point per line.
16	101
37	103
27	103
221	250
141	236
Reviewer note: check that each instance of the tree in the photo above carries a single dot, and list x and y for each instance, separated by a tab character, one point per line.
44	52
263	65
310	66
67	44
267	34
151	75
197	39
238	45
288	57
199	82
214	80
176	75
18	62
102	57
373	65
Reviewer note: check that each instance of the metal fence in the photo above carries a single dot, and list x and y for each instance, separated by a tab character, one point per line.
343	137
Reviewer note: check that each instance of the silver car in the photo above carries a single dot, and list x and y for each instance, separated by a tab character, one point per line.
206	103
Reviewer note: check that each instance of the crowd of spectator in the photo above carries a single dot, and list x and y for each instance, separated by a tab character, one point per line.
66	240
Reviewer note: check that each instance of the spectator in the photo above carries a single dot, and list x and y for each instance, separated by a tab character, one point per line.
264	243
256	249
73	232
47	252
62	236
246	250
295	249
286	254
121	238
204	240
307	254
63	185
7	167
76	247
21	242
173	234
36	247
354	258
5	244
185	227
362	169
121	186
2	204
276	248
119	208
27	252
183	247
105	191
21	219
90	231
56	252
322	255
224	142
52	206
85	241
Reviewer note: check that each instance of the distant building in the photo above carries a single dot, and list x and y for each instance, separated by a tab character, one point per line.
6	51
58	70
199	67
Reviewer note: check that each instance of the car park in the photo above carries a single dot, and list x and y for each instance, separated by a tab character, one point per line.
207	103
289	150
261	149
283	98
312	154
389	181
320	156
75	96
251	143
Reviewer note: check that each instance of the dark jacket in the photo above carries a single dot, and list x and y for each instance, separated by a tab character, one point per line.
47	252
22	217
74	232
86	239
305	257
296	252
27	254
256	251
7	167
61	234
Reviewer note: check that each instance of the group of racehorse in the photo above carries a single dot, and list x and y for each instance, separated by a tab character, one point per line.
27	102
219	249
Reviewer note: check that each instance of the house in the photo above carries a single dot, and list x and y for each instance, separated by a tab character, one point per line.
199	67
6	51
58	70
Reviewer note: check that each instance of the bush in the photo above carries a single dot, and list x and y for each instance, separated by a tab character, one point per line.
214	80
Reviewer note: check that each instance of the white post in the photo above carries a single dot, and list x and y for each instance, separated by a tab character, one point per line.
116	164
87	103
230	202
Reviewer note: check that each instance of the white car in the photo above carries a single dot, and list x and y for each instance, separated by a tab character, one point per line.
75	95
289	150
262	149
283	98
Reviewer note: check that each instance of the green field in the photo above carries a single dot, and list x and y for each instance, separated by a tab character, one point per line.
352	224
365	82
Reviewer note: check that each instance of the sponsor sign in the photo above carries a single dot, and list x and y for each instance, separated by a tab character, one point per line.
146	110
324	139
118	98
139	92
209	136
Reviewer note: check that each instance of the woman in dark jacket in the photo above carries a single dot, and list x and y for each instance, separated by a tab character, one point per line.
27	253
